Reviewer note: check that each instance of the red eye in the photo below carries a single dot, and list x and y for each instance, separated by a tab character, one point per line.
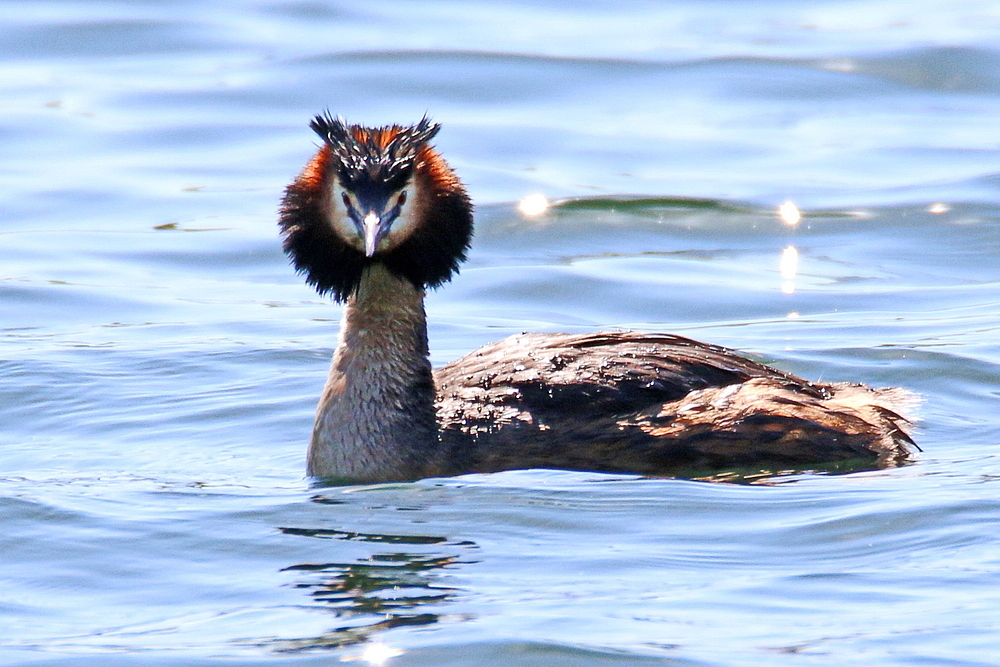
402	198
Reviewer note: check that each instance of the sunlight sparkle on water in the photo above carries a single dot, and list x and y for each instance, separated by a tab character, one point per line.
375	654
789	266
533	205
789	213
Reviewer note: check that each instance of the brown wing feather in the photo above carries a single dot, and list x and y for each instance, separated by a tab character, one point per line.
649	403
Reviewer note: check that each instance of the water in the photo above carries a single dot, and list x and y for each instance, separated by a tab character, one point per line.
161	361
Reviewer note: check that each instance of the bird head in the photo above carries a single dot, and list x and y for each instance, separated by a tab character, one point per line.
375	195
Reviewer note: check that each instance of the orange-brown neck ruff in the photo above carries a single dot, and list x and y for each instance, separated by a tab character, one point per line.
429	256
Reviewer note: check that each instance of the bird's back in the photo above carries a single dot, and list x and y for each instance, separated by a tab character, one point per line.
651	404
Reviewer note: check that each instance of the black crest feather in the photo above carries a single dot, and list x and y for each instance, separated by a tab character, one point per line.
361	157
366	160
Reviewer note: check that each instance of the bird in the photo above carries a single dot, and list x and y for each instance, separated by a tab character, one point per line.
377	218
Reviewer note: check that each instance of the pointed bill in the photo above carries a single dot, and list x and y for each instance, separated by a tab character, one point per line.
372	225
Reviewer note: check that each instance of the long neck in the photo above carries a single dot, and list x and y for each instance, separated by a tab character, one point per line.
376	419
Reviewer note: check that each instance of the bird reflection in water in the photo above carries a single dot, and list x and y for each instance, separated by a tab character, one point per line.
386	590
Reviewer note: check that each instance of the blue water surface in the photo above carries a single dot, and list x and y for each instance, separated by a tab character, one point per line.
160	361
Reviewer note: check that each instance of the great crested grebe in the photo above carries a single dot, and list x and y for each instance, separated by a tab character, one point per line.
377	217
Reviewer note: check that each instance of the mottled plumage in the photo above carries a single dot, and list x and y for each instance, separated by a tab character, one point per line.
652	404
